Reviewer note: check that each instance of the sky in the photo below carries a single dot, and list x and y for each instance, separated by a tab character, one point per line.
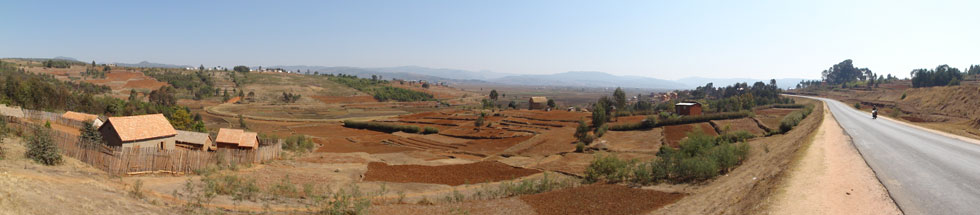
659	39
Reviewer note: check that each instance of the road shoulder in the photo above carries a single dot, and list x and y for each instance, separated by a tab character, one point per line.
831	177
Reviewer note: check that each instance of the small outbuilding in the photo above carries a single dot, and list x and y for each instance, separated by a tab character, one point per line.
83	117
688	108
229	138
195	141
537	103
143	131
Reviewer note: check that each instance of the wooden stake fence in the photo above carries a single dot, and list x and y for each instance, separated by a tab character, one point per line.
122	161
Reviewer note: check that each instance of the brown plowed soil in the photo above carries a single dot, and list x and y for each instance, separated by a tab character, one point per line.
144	84
675	133
600	199
344	99
743	124
555	115
457	174
482	133
492	146
634	141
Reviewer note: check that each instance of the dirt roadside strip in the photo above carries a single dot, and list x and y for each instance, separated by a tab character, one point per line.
831	177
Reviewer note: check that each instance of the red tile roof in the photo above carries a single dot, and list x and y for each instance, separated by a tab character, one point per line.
131	128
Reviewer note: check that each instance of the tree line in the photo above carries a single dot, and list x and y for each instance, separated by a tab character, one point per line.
379	88
44	92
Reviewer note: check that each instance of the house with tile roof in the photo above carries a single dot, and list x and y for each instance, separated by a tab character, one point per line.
537	103
195	141
229	138
143	131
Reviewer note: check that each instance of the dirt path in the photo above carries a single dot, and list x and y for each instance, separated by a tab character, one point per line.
832	178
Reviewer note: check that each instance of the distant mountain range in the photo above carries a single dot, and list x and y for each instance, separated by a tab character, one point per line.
590	79
567	79
146	64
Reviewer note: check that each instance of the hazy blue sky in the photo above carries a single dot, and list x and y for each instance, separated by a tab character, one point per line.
661	39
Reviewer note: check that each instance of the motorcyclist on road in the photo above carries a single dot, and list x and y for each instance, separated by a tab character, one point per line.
874	112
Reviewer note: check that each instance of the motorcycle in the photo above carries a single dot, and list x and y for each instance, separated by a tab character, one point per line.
874	114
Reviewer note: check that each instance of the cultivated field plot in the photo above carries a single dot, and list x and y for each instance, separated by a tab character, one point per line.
743	124
770	117
456	174
675	133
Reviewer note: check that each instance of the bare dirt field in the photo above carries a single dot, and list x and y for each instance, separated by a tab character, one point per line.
488	171
600	199
634	141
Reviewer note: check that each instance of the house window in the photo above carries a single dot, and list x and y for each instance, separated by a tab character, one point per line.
161	146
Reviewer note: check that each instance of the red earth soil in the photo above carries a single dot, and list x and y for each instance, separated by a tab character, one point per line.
453	175
492	146
145	84
675	133
600	199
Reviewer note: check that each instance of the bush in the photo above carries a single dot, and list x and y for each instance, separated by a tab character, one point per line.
794	118
298	143
903	96
579	147
582	132
601	130
608	167
857	105
42	149
430	130
736	136
382	127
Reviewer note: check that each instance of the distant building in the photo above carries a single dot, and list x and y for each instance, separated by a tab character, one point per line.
537	103
688	108
83	117
194	140
144	131
236	139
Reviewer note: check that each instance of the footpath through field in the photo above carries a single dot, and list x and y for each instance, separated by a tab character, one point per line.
831	177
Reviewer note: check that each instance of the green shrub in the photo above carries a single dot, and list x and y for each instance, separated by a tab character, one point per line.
579	146
430	130
298	143
582	132
479	120
601	130
42	149
794	118
736	136
857	105
697	168
608	167
903	96
382	127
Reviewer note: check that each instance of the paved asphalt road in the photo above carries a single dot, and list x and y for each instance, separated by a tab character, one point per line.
925	172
